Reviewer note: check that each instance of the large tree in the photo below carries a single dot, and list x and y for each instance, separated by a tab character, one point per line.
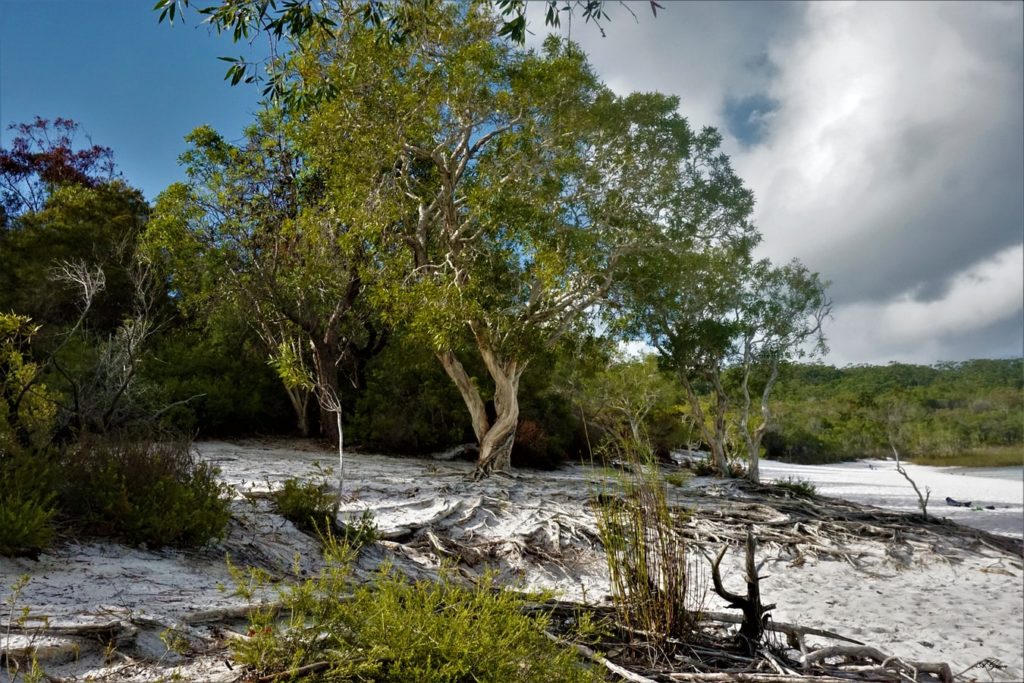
506	191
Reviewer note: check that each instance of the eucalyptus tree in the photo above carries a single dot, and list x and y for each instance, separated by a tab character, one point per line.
690	319
781	313
247	237
506	191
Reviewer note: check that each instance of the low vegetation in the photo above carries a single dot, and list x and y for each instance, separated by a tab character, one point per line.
797	487
655	589
147	492
391	629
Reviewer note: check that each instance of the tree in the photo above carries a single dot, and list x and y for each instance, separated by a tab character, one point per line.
248	237
782	311
623	398
505	191
684	300
43	157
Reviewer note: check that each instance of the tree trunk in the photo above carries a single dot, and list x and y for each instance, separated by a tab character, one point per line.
721	408
325	362
754	438
469	392
496	439
715	438
299	399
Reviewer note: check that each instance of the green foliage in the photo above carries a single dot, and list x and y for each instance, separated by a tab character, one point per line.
154	493
27	503
309	505
706	468
986	456
410	406
631	400
827	414
393	630
27	411
798	487
96	225
216	384
677	478
653	586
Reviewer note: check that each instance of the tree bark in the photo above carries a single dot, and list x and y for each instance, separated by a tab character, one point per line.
325	362
495	439
299	399
469	392
715	438
754	438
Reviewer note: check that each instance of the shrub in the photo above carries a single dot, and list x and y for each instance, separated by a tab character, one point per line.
152	493
27	504
310	506
677	478
706	468
394	630
798	487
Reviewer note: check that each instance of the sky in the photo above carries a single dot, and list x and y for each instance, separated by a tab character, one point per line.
884	142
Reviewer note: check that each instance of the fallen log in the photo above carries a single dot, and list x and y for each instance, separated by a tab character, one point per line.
622	672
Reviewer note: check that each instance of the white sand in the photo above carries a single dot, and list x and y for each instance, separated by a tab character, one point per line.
536	527
876	482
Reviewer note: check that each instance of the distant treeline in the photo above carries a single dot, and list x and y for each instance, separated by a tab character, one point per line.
823	413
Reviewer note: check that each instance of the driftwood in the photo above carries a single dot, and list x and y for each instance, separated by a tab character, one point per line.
107	630
941	670
754	612
586	652
780	626
752	678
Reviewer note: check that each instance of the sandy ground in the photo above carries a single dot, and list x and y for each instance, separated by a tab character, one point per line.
961	604
876	482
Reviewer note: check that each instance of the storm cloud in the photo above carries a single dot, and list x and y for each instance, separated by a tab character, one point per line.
884	143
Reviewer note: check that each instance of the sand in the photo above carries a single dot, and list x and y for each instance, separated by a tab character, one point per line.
959	604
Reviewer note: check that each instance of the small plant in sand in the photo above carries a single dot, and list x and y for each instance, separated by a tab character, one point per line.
656	590
309	505
27	503
798	487
392	629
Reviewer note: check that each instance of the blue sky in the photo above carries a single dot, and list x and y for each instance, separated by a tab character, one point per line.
135	85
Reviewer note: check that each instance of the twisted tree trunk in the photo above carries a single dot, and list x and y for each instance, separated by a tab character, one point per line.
495	438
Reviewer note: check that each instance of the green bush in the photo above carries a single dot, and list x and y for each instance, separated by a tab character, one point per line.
394	630
27	504
706	468
310	506
144	492
798	487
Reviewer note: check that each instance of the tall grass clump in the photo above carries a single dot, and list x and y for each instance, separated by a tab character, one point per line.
656	589
392	629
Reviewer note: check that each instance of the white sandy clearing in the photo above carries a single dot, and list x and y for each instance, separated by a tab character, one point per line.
537	528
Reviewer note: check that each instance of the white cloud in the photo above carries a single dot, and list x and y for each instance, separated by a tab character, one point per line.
907	329
892	160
